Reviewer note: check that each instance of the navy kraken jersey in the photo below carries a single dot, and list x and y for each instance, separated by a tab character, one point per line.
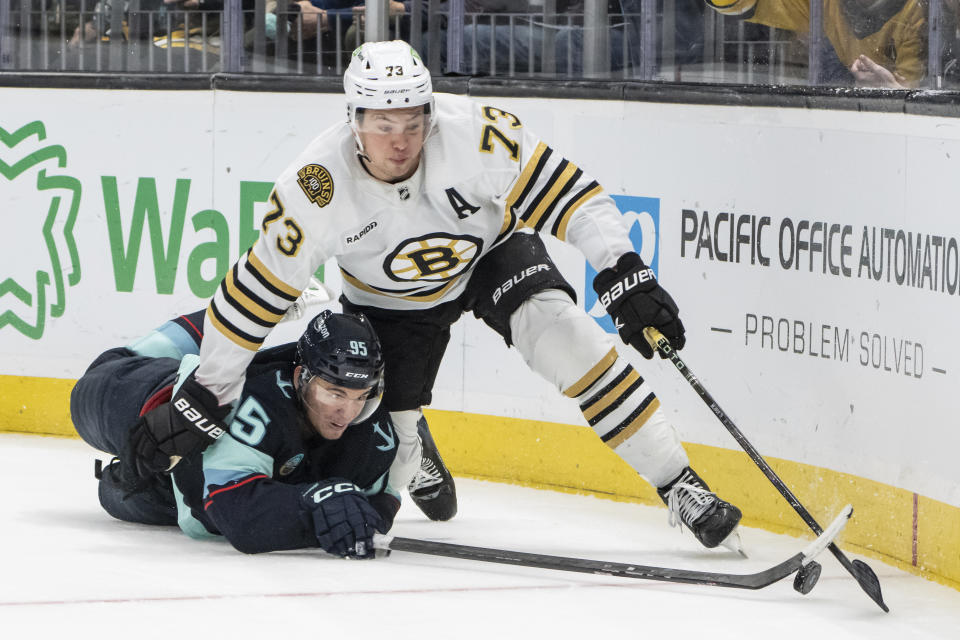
247	486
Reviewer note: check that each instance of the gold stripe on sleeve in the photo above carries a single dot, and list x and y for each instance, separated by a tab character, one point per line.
551	197
525	175
509	219
272	279
231	336
562	228
248	303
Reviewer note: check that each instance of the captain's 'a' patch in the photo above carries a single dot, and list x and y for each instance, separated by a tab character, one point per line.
317	184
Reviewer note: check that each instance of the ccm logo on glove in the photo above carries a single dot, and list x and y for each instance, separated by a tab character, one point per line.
331	489
620	287
197	419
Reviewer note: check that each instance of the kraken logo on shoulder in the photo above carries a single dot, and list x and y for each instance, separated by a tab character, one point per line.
435	257
316	183
291	464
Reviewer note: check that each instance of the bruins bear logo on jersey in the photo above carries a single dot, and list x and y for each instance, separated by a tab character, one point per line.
437	257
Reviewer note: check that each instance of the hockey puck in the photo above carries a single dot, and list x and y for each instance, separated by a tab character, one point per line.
806	578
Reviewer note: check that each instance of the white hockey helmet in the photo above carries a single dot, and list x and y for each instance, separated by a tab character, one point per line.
387	75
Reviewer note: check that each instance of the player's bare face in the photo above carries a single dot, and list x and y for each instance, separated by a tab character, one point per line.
392	140
330	407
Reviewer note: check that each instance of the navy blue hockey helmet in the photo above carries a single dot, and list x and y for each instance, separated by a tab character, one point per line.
342	349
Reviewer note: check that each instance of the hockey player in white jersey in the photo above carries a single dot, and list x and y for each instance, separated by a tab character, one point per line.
431	206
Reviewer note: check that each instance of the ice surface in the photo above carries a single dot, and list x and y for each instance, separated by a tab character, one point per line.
71	571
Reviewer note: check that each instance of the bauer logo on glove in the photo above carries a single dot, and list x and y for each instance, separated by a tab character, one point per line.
631	295
197	419
624	285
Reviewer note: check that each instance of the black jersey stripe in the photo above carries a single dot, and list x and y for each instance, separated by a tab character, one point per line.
637	418
544	210
526	181
247	291
270	282
242	298
533	208
419	295
230	331
431	293
234	329
607	388
614	401
559	229
360	284
239	307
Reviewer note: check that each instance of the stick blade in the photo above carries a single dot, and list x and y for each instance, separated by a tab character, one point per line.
869	582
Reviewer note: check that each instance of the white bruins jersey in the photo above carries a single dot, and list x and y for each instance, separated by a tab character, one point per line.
409	245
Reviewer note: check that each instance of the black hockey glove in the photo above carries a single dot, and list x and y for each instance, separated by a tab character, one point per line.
387	506
343	518
630	294
190	422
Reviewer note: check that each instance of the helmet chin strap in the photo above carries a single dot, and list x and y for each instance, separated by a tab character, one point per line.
356	138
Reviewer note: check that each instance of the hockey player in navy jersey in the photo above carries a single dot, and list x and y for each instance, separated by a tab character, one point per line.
304	461
431	205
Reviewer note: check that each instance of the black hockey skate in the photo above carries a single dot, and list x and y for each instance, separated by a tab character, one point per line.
691	503
147	500
432	488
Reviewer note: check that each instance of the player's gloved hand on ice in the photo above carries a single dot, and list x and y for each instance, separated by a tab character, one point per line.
191	421
387	506
343	518
633	298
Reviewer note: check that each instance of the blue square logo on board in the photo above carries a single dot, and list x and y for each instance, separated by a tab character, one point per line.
642	216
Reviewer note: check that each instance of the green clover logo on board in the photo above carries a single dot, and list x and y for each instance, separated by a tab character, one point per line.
39	206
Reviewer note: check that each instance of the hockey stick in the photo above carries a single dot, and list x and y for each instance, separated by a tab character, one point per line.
860	571
808	570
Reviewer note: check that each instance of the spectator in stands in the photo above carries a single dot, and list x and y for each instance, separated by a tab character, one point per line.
312	24
487	26
872	43
313	16
99	25
318	22
949	52
354	34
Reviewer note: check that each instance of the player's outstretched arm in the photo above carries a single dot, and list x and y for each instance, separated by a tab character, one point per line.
257	514
343	518
260	288
253	297
552	195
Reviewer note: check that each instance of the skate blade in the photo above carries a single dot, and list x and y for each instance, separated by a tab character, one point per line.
734	543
